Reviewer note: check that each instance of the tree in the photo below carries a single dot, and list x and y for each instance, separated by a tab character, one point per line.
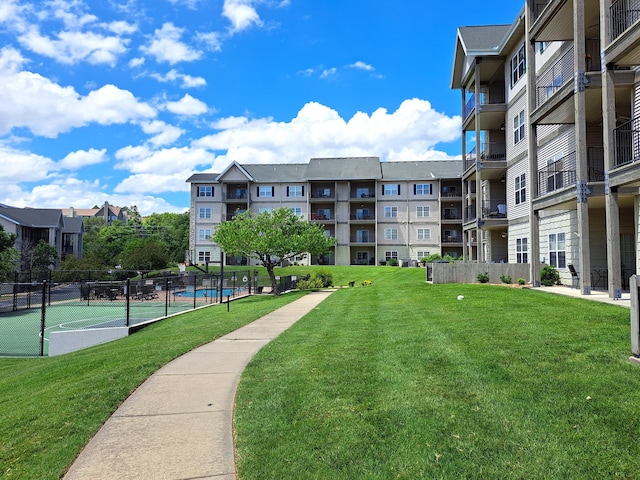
8	254
144	254
271	238
39	258
172	229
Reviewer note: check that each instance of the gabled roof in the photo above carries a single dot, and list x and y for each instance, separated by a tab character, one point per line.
278	172
232	165
33	217
353	168
203	178
422	170
482	41
73	224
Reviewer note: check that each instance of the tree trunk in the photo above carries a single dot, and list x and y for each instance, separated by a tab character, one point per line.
272	277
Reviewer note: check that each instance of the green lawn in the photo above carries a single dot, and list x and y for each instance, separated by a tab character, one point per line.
50	407
398	379
402	380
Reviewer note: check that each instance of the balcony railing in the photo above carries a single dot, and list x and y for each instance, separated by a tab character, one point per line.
470	159
495	95
538	8
595	159
470	212
555	77
363	238
623	14
452	239
627	138
492	151
241	195
452	215
494	209
363	217
470	105
558	175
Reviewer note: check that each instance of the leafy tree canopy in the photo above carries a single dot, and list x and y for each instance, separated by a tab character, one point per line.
271	237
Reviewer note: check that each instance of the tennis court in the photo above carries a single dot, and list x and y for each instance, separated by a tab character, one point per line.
30	312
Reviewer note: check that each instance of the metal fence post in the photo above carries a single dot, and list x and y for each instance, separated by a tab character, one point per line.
635	316
166	296
43	316
127	303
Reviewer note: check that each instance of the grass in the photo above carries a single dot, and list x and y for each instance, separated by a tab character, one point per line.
401	380
52	406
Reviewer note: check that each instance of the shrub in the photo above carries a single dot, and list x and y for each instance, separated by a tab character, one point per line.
309	283
521	281
483	277
325	276
506	279
393	262
431	258
549	276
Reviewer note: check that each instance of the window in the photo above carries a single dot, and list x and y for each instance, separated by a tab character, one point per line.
390	233
204	257
423	211
297	211
205	191
520	190
362	236
424	234
518	66
204	213
204	234
362	258
265	210
266	191
522	250
451	213
554	173
423	253
390	212
542	46
362	214
324	214
391	189
363	192
295	191
422	189
557	254
389	254
518	128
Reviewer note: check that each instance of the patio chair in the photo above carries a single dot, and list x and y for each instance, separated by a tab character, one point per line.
575	277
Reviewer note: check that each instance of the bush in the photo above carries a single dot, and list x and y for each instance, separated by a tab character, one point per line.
393	262
483	277
506	279
309	283
521	281
549	276
325	276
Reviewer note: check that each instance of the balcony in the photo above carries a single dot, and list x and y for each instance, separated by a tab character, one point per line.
553	79
558	175
627	138
237	195
452	239
623	14
451	214
363	238
494	209
322	194
362	217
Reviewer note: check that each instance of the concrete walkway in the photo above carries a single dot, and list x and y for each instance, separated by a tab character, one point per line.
595	295
178	424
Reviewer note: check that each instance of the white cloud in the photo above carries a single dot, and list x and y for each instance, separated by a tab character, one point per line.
187	80
83	158
166	46
241	14
122	28
72	46
212	40
163	134
328	73
19	166
187	105
159	170
362	66
32	101
136	62
409	133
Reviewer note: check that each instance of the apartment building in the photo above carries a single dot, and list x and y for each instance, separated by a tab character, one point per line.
375	210
557	93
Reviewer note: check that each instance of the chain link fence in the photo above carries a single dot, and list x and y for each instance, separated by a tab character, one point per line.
30	311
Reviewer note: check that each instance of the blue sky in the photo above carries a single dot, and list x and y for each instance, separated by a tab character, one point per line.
122	100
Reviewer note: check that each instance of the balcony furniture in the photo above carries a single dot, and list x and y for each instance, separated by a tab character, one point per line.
575	277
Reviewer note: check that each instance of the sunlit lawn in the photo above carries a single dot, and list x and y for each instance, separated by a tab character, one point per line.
402	380
50	407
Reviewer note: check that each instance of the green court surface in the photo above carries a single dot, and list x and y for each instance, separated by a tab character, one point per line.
20	330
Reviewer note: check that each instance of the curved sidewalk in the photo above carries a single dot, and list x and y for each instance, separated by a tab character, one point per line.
178	423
